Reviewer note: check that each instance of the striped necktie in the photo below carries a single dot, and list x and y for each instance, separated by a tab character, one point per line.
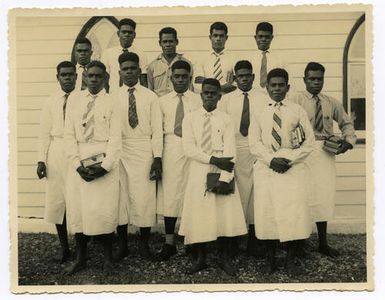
245	118
206	134
276	142
217	67
318	120
65	105
88	119
179	114
132	115
263	70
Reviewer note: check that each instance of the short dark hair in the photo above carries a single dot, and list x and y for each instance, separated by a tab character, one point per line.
127	21
243	64
168	30
218	26
278	72
314	66
264	26
128	56
96	63
83	40
181	64
65	64
211	81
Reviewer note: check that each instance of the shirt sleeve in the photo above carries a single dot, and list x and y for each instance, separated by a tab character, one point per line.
156	128
45	132
256	145
114	139
150	77
189	142
228	150
344	122
299	154
71	144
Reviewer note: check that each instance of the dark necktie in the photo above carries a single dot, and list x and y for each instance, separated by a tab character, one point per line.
65	105
263	70
245	118
132	115
179	114
318	121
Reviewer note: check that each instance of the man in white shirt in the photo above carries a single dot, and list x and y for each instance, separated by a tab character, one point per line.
322	110
126	34
209	142
92	139
244	105
264	59
174	106
82	55
141	157
280	197
217	63
51	164
159	70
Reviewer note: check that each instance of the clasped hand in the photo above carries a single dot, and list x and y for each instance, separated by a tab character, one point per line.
280	164
222	188
91	173
223	163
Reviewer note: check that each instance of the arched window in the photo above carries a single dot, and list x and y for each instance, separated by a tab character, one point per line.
354	93
101	31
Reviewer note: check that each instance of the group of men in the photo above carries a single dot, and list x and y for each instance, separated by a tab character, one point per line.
124	141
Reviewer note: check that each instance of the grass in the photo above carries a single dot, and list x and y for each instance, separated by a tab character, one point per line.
36	266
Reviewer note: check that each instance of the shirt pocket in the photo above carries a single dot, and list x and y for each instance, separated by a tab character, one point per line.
158	72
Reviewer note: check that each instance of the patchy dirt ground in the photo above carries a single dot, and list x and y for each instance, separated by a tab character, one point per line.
36	266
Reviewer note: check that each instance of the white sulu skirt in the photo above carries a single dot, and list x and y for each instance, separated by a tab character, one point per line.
93	206
207	216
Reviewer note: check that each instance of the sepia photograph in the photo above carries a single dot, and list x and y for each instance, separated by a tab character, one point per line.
223	148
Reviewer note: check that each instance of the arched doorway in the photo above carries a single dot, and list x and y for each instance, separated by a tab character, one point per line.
101	31
354	77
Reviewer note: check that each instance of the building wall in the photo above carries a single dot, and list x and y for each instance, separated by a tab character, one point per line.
41	42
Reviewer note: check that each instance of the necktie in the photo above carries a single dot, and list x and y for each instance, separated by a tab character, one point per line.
263	71
245	118
132	115
277	124
318	121
179	114
88	120
206	134
84	78
217	73
65	105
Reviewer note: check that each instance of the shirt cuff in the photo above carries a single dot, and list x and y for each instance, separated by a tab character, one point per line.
107	164
351	140
76	164
157	153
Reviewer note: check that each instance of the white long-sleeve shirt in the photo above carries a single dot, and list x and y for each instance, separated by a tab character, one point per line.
222	138
169	103
51	123
232	104
149	116
106	126
260	133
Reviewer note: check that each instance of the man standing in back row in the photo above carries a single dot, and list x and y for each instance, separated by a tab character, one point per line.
322	110
217	63
126	34
264	59
159	70
82	55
